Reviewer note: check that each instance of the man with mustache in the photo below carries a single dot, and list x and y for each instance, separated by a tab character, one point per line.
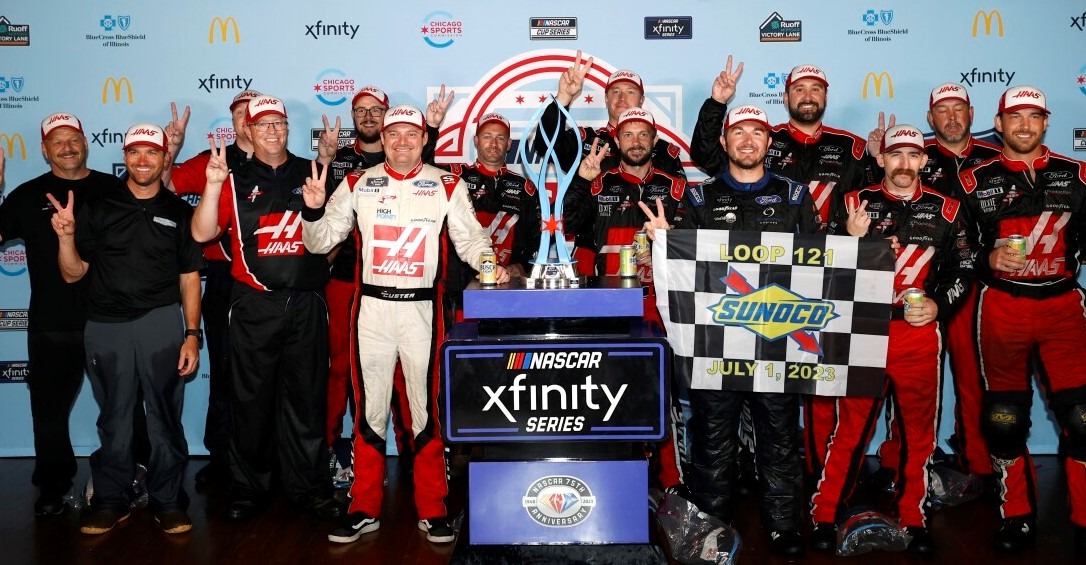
831	162
1030	308
934	257
57	311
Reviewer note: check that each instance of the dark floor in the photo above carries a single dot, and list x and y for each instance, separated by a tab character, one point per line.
963	532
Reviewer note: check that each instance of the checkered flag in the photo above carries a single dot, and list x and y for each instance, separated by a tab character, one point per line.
775	312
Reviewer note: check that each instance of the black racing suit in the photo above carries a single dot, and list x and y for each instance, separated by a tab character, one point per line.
773	204
665	156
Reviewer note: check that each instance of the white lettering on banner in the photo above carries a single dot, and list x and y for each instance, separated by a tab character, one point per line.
540	396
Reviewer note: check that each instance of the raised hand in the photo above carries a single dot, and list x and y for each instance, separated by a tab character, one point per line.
217	170
655	221
858	221
175	132
591	167
874	139
63	220
313	191
436	109
726	81
329	141
571	82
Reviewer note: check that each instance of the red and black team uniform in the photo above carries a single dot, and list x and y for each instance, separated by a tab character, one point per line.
1036	311
189	178
831	163
941	174
507	206
278	335
935	257
604	215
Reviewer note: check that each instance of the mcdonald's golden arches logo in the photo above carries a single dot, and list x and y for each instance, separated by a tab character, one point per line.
116	84
8	143
988	17
223	25
878	80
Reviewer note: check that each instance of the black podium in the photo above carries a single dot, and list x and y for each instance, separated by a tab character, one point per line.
558	390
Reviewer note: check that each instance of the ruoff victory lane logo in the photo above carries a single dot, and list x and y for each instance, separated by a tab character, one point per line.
775	28
558	501
13	35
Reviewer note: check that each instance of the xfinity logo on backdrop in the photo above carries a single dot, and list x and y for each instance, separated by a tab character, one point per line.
236	82
105	136
319	29
978	76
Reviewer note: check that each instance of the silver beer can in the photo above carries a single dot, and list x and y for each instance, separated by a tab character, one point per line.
627	261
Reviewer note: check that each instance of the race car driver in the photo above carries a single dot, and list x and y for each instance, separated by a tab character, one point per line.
400	210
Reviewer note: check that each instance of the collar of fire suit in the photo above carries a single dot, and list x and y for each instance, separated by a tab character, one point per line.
802	137
914	196
609	129
945	151
1017	166
484	170
755	186
397	176
634	179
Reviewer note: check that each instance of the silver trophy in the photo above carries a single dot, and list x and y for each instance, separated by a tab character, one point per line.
553	266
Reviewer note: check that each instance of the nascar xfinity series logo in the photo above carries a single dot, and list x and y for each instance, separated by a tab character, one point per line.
558	501
14	371
773	312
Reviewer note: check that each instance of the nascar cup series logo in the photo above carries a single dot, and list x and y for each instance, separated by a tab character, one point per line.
333	87
558	501
441	29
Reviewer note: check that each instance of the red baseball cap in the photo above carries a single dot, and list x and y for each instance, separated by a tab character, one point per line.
806	71
373	92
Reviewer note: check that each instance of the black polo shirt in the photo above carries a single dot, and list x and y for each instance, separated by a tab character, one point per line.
137	249
25	214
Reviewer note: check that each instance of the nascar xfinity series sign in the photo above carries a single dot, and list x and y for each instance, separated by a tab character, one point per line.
598	390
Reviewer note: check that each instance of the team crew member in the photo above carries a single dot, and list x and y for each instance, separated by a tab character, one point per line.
624	90
278	320
1030	303
829	161
746	196
930	229
190	178
952	151
134	246
368	108
404	200
506	204
603	208
57	312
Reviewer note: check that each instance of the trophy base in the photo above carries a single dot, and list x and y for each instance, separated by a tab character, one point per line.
553	275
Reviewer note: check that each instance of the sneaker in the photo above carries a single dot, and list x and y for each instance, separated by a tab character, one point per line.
824	538
173	521
356	524
49	506
1016	534
102	520
437	530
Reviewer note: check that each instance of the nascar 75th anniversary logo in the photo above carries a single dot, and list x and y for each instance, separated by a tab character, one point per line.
527	392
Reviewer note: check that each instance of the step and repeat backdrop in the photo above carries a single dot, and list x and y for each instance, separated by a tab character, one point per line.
114	64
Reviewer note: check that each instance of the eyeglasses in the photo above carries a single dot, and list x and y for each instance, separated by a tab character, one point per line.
264	126
376	111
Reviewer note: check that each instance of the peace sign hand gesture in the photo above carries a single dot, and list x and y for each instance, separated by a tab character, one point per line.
725	83
175	132
591	167
874	139
217	170
63	220
313	191
329	141
571	82
655	221
858	221
436	109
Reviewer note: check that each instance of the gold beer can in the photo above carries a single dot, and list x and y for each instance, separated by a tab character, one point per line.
488	268
1017	243
627	261
641	242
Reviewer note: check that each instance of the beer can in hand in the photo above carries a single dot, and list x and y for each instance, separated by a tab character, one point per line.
1017	243
641	242
913	297
488	268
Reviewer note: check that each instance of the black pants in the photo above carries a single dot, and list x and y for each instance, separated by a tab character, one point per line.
279	393
218	285
714	437
56	374
122	359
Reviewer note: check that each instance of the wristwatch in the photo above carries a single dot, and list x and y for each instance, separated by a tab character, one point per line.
198	334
